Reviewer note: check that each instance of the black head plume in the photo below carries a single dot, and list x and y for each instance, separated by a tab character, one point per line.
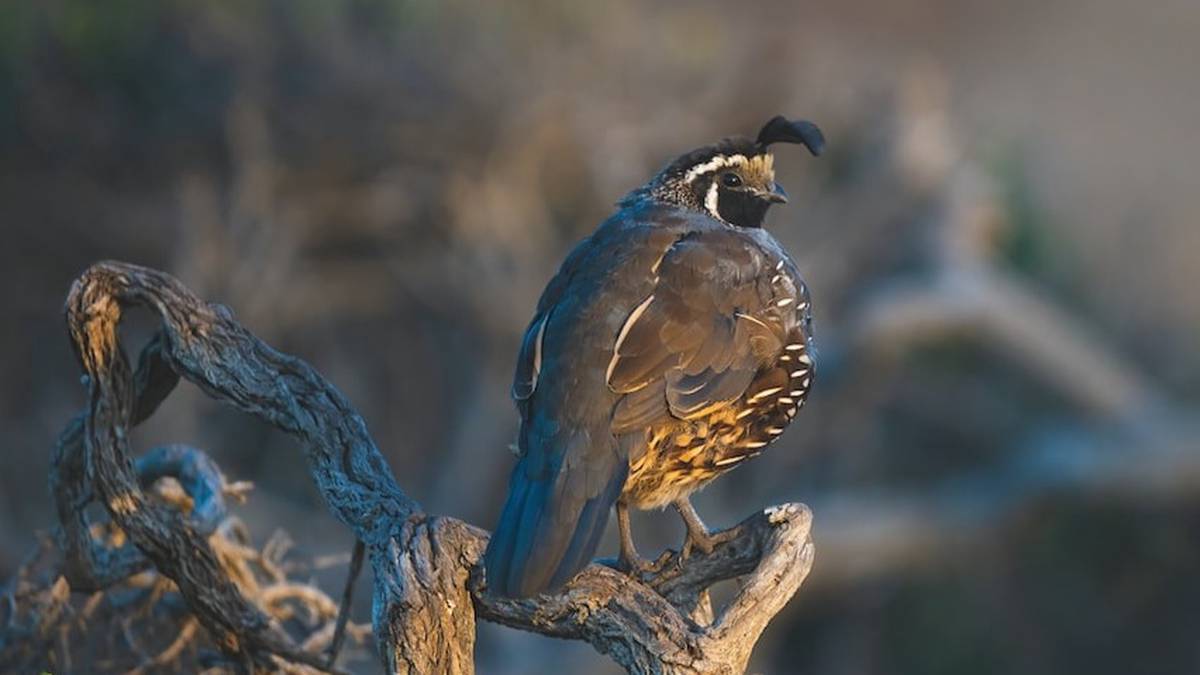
782	130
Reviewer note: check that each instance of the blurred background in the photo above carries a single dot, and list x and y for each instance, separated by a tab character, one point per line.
1002	244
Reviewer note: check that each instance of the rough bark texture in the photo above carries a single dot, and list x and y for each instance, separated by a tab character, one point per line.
429	587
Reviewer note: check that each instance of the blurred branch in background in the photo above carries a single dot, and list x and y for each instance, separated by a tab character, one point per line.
1136	444
868	534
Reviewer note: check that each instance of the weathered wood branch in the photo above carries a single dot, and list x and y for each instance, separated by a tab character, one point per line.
90	566
141	624
429	586
645	625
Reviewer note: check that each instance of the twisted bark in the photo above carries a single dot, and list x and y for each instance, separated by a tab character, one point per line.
429	586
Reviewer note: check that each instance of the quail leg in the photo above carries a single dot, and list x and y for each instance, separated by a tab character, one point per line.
698	535
629	560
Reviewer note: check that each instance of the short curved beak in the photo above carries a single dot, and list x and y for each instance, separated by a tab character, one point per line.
776	195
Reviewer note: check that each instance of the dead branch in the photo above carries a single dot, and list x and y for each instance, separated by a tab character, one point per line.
645	625
339	632
429	587
141	624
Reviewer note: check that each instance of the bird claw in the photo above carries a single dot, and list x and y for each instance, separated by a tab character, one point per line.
634	565
705	542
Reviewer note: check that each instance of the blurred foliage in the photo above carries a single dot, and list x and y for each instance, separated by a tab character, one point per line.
1029	244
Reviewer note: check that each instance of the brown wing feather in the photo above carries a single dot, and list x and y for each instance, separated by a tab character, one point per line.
700	338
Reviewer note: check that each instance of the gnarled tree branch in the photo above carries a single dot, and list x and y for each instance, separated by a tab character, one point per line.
429	586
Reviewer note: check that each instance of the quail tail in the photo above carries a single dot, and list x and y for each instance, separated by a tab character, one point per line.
545	536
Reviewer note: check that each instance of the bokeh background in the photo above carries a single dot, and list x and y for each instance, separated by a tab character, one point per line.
1002	243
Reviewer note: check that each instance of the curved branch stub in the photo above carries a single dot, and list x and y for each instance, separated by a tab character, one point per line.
787	559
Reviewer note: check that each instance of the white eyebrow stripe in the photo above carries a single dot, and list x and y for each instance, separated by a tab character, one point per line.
712	165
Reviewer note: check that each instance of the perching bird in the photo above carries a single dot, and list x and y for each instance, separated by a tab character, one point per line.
673	344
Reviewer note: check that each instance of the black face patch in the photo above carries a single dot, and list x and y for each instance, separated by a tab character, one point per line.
741	208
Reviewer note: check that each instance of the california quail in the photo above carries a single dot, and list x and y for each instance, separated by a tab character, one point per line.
673	344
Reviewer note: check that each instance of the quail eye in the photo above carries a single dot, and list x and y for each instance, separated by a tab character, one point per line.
731	180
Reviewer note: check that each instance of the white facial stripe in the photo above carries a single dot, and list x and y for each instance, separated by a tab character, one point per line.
710	201
712	165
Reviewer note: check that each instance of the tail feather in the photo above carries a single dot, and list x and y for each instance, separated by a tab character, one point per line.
545	535
500	547
526	576
589	528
